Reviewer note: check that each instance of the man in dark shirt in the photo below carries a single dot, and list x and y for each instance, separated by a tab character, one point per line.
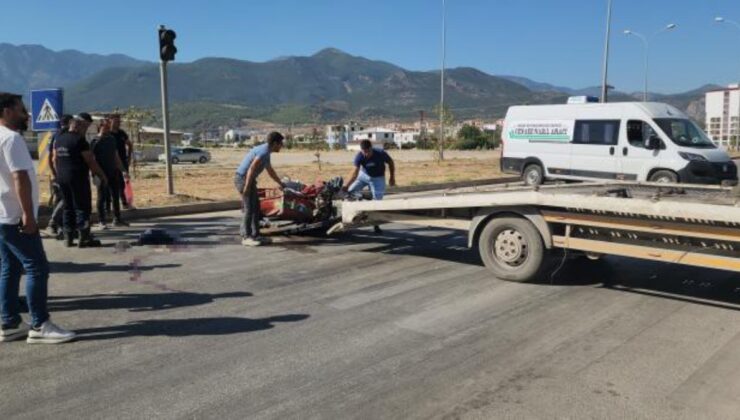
105	150
73	161
370	172
57	203
125	152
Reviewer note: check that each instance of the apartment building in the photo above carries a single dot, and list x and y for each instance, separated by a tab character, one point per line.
723	116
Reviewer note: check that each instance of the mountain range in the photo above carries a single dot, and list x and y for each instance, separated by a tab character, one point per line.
330	85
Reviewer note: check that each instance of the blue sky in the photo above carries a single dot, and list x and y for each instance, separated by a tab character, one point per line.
554	41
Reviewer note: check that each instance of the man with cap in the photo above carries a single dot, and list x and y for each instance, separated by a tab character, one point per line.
73	161
21	248
55	221
245	180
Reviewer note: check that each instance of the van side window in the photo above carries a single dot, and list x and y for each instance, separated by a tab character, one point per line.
598	132
638	132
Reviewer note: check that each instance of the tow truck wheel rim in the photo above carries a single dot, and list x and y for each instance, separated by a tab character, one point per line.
510	247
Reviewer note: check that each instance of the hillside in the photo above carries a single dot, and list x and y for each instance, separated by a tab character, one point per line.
26	67
328	86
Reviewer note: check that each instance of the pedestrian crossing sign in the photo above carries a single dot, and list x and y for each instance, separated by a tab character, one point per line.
46	109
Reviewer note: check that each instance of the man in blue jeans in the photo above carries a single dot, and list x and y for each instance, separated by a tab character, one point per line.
370	172
245	181
20	241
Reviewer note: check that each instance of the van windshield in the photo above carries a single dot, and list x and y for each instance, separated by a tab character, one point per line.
684	133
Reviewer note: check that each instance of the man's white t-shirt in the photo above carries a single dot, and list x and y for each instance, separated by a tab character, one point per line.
14	157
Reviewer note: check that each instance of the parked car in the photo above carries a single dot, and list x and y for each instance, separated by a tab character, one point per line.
187	154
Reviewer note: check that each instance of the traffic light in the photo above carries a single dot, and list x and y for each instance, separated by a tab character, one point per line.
167	49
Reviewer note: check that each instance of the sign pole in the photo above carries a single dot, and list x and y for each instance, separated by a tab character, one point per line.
166	128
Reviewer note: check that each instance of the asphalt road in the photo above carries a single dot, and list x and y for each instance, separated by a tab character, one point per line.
407	325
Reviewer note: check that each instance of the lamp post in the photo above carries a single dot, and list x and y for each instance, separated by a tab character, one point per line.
646	43
720	19
605	66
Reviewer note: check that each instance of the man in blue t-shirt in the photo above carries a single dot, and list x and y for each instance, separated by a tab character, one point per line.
245	180
370	171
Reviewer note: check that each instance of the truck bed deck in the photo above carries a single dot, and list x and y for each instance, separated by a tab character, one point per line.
702	204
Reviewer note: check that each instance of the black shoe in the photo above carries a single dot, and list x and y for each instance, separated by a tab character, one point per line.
87	240
377	230
119	223
69	240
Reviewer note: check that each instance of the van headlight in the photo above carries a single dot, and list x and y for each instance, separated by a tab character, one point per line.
692	157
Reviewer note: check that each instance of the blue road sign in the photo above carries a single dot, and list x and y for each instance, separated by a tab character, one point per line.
46	109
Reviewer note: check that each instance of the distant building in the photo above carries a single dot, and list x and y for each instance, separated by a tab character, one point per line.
379	136
155	135
406	138
723	116
340	135
236	135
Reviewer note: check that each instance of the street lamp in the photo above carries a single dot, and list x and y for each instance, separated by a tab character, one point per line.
720	19
605	65
646	43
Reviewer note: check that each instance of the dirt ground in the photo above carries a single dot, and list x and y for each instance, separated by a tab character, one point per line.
214	181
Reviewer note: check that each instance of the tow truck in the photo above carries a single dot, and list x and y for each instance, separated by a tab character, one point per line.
517	229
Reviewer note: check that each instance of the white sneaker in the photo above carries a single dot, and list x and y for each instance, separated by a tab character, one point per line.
50	333
103	226
10	334
251	242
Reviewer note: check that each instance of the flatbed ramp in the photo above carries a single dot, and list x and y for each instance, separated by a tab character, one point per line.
516	228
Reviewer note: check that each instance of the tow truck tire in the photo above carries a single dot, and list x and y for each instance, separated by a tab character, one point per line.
533	175
512	248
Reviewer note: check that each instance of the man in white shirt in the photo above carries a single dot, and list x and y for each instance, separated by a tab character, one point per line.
20	242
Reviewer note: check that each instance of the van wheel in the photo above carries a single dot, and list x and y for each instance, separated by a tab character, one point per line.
203	159
664	177
533	175
512	248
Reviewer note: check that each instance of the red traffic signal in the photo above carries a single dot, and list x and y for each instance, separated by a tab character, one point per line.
167	49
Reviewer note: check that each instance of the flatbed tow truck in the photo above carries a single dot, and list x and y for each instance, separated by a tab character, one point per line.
517	229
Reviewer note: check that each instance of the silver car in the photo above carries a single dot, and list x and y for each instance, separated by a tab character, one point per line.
187	154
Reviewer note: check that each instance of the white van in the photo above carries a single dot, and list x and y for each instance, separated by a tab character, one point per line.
633	141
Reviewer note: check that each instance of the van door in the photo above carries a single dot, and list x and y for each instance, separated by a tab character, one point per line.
637	161
594	149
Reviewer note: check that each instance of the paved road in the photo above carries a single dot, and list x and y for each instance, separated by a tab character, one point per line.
408	325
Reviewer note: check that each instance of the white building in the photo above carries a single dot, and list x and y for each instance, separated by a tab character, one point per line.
406	138
340	135
236	135
379	136
723	116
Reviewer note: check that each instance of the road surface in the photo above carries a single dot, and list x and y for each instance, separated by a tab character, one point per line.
402	326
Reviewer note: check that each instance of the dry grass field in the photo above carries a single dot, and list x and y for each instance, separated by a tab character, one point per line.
214	181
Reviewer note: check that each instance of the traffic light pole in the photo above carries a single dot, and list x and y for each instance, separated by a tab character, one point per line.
166	127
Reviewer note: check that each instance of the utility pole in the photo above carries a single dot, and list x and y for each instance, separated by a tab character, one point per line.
442	85
604	76
167	52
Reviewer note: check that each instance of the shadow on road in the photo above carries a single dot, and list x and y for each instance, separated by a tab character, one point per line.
187	327
137	302
78	268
